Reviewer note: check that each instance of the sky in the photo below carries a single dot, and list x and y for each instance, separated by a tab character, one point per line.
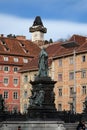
62	18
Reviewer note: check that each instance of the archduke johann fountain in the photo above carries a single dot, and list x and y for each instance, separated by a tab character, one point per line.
42	114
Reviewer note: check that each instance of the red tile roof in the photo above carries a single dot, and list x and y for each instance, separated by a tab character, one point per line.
55	50
32	65
13	47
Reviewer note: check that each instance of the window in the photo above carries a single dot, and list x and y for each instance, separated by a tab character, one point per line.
6	81
59	77
83	58
60	62
83	106
25	60
83	73
6	68
84	89
5	94
60	91
15	81
71	90
15	59
25	78
71	75
5	58
71	60
15	95
59	107
25	94
15	69
25	107
71	107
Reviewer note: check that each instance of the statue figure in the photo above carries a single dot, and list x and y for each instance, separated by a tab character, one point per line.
40	98
43	63
32	98
37	98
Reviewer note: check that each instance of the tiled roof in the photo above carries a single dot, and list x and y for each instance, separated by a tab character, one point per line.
18	47
32	65
13	47
55	50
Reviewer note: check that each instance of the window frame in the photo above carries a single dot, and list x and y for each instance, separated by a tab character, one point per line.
60	77
4	80
71	75
16	59
5	95
15	95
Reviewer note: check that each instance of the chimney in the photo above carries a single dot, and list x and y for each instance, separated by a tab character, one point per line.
21	37
1	35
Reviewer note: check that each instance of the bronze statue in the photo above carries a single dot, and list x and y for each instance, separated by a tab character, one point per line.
37	98
43	63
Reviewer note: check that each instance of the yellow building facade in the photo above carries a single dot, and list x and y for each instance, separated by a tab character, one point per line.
64	75
68	72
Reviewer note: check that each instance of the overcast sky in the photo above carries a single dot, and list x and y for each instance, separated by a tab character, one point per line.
62	18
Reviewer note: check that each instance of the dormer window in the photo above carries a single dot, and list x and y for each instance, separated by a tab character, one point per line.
5	58
3	42
25	60
25	50
15	59
22	44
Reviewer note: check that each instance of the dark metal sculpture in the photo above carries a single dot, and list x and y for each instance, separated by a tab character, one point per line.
41	103
43	63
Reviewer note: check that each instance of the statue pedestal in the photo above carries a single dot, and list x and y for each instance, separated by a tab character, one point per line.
44	110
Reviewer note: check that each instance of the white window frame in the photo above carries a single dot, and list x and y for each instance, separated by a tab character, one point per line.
15	81
15	69
15	95
71	60
6	95
6	78
5	58
15	59
59	62
5	67
84	58
25	60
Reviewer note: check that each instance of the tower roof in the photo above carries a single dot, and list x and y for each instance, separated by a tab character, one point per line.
37	25
37	21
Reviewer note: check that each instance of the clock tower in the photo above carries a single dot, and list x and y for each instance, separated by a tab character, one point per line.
37	30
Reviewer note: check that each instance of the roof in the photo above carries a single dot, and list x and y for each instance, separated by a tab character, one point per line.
13	47
37	26
37	21
33	65
56	50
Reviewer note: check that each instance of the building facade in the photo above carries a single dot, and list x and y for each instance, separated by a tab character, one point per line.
69	71
14	53
19	65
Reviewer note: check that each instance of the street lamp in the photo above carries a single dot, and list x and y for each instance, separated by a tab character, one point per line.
73	44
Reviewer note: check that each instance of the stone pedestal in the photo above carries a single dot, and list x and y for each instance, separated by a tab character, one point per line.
46	110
